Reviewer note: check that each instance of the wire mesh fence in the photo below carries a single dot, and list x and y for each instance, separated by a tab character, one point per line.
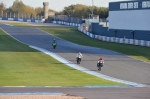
20	16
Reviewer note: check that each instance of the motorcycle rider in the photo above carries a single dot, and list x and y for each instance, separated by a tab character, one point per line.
54	43
79	56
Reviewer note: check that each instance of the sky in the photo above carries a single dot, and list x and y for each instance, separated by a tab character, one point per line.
58	5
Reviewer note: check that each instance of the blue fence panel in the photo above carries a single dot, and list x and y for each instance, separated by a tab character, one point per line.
32	20
4	18
16	19
24	20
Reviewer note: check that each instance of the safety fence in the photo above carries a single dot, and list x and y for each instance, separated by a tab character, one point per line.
21	20
41	21
66	23
116	40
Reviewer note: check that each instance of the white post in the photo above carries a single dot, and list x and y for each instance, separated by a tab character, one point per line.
2	14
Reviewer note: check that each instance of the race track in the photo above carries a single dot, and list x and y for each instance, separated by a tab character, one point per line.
87	93
116	65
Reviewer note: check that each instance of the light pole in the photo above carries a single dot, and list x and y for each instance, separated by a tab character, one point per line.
92	9
115	31
133	33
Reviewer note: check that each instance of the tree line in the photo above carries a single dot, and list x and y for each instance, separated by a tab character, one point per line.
19	8
78	10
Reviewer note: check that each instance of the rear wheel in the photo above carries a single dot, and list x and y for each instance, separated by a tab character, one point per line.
54	46
99	68
78	60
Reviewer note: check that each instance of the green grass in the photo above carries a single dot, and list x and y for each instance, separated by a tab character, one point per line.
73	35
22	66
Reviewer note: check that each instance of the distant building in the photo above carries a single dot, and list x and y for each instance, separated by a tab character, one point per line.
46	9
131	19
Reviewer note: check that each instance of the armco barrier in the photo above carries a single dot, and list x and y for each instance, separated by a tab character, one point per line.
121	40
28	20
11	19
112	39
117	40
15	19
136	42
131	41
65	23
147	43
32	20
4	18
22	20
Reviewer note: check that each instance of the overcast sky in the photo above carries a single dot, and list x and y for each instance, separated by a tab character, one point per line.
58	5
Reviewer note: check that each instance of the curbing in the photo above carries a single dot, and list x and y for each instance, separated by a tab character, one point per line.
32	93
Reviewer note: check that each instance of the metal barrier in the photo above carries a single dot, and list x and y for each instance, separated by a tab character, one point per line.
117	40
66	23
21	20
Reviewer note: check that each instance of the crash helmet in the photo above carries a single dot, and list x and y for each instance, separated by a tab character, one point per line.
101	58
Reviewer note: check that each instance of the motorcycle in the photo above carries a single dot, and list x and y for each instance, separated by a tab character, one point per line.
99	65
54	45
78	60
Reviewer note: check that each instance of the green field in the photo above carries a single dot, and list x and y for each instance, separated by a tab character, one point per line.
22	66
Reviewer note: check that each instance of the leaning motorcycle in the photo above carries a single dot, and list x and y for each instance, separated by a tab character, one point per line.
99	66
78	60
54	45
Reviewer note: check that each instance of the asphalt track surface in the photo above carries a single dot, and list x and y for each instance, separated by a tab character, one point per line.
116	65
88	93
